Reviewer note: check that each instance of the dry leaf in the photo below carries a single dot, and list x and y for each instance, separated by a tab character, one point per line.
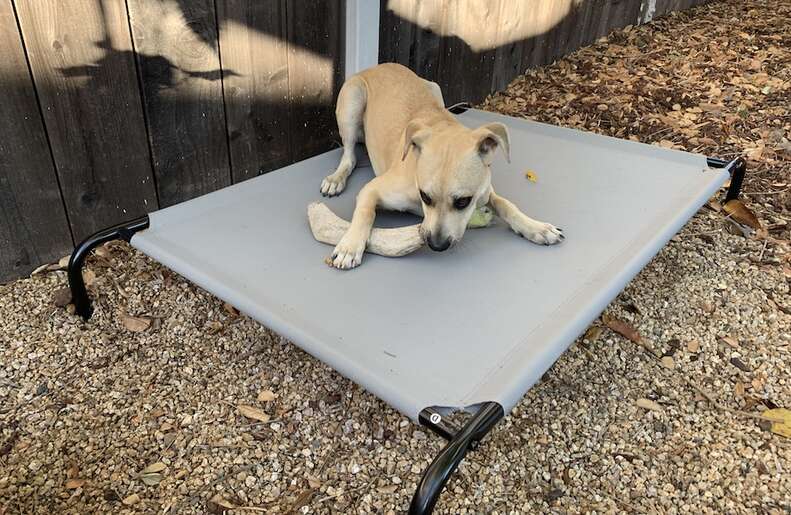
104	251
154	467
253	413
132	499
757	384
214	327
783	425
151	479
72	484
741	214
135	324
266	396
89	277
151	474
531	176
593	333
667	362
63	263
693	346
230	310
61	297
156	413
730	340
648	404
632	308
387	489
741	365
40	269
218	505
622	328
738	389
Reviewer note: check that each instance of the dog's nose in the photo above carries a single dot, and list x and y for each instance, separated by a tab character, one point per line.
438	246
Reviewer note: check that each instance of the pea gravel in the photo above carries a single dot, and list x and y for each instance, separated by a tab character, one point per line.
85	408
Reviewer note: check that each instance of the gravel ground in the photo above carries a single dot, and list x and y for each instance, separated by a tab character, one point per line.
136	411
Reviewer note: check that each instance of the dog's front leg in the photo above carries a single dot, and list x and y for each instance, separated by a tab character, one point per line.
535	231
349	251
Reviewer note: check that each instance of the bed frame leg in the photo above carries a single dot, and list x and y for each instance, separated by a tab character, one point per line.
737	168
79	294
440	470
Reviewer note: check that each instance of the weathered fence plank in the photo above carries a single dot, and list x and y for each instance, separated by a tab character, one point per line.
179	67
508	57
33	224
315	73
255	79
83	67
465	73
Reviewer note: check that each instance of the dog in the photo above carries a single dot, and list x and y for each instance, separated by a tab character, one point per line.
425	162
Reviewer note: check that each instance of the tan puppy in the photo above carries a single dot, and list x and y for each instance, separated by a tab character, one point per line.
425	162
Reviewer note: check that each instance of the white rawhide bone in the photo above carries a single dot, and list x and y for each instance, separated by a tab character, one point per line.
327	227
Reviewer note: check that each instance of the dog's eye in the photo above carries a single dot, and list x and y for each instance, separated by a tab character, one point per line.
461	203
426	199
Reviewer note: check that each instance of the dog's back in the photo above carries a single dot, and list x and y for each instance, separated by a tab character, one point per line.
395	96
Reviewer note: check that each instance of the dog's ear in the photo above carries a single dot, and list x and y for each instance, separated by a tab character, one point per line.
415	134
491	136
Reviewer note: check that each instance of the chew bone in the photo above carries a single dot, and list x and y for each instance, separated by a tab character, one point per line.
327	227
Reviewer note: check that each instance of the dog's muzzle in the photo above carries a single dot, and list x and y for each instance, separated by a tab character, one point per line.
438	246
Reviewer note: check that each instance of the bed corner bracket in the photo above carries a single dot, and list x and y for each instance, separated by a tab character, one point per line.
459	107
79	294
737	168
448	460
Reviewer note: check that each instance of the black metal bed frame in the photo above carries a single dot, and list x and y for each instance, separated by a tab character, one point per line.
460	440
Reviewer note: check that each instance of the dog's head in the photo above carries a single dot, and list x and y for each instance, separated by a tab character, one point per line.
453	175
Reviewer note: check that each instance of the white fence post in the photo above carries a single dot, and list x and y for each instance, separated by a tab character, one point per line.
362	35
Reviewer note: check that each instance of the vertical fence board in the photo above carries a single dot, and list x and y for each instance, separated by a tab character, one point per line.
33	224
508	56
315	73
83	67
396	38
466	73
255	63
179	68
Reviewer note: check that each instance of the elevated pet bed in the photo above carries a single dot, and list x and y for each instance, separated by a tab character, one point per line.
469	329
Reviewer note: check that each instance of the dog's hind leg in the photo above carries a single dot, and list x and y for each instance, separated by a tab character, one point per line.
436	91
349	114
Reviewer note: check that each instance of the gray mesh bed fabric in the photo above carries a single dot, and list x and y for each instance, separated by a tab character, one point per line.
481	322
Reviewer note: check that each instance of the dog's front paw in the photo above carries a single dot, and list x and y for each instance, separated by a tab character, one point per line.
348	253
540	232
333	184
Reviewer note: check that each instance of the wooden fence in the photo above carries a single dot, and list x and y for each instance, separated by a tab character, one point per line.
115	108
472	48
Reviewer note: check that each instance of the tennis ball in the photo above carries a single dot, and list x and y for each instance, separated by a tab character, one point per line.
481	217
